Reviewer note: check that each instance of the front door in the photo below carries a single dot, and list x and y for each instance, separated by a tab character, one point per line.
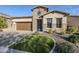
39	24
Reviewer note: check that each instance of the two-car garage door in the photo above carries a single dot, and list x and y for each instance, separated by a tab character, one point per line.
24	26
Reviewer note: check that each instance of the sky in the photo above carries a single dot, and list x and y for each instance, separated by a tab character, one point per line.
25	10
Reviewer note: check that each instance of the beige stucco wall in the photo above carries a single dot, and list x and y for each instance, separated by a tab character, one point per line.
22	20
54	16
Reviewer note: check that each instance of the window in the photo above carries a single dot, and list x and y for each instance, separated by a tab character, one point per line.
39	13
59	22
49	22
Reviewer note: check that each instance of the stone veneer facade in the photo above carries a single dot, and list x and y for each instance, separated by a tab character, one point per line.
54	16
36	16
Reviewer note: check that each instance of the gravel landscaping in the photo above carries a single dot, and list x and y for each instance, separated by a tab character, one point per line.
7	39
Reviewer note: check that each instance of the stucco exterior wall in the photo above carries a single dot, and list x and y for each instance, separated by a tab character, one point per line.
23	20
54	16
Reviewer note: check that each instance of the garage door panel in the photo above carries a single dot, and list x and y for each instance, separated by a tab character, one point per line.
24	25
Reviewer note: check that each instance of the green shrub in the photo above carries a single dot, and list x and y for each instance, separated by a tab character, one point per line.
73	29
64	48
63	31
74	38
35	43
50	30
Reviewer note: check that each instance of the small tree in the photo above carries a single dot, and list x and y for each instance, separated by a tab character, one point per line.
3	23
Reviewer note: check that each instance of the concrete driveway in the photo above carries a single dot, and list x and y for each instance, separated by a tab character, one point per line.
7	38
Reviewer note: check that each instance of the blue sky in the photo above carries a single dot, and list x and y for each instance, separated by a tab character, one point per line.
25	10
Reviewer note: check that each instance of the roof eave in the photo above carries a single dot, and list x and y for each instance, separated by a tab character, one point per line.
55	11
21	17
39	7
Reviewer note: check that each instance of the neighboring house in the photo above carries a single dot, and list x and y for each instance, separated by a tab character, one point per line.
42	20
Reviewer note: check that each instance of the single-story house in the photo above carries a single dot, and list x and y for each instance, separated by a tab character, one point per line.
42	20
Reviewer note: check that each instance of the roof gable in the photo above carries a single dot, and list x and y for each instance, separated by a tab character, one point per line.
55	11
40	7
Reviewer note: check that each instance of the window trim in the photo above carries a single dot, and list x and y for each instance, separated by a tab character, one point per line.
57	24
50	23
